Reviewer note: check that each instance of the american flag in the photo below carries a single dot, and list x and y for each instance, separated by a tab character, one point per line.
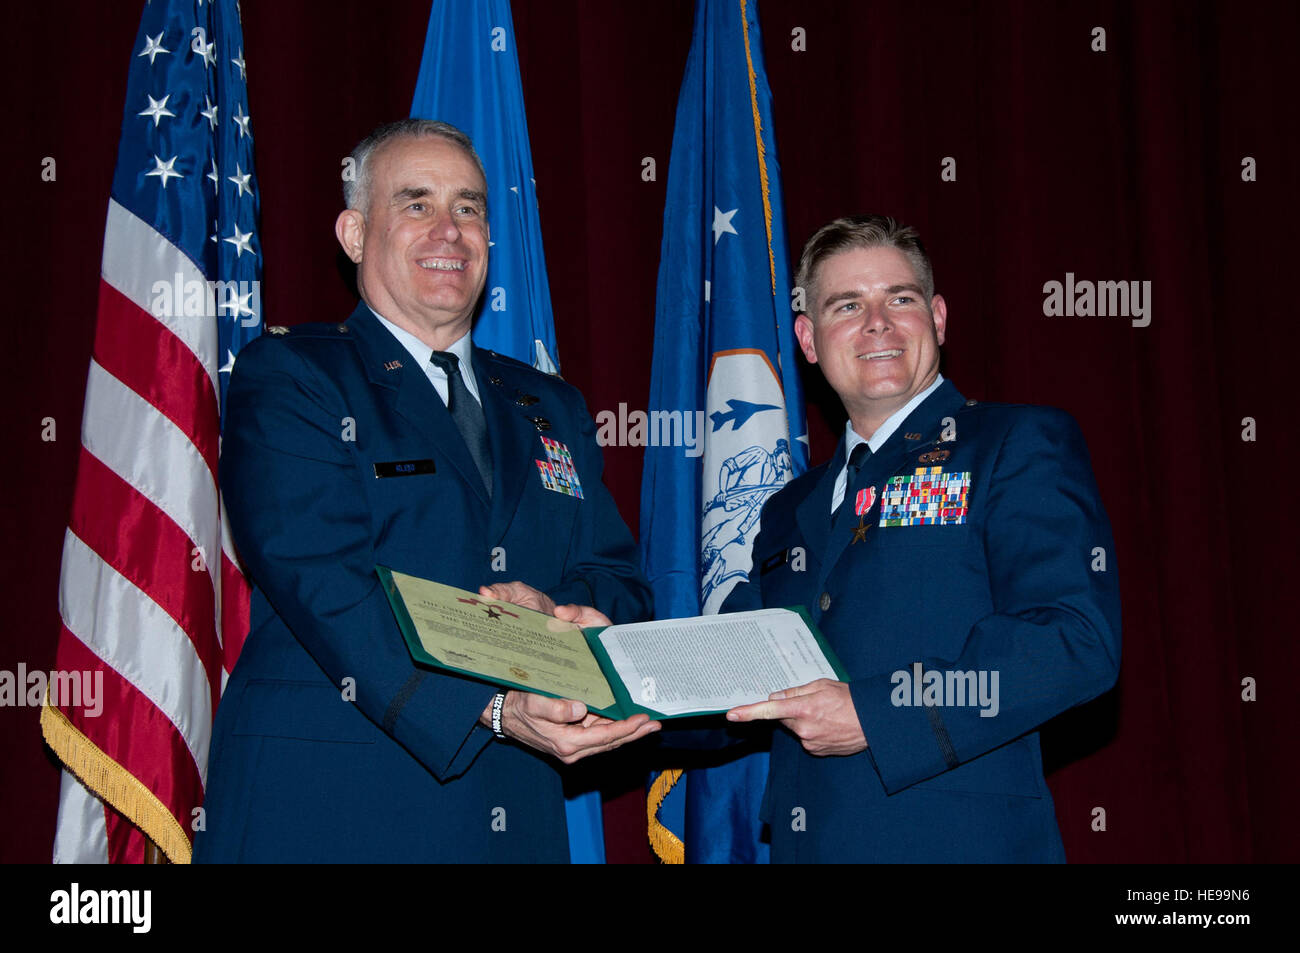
150	594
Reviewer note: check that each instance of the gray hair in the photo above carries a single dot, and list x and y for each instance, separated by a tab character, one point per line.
863	231
356	190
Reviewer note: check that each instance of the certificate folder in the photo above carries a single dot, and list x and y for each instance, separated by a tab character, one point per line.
675	668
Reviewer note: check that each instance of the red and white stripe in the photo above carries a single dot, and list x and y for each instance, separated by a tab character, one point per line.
141	597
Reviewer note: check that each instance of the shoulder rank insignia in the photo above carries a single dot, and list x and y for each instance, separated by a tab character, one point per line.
557	471
276	329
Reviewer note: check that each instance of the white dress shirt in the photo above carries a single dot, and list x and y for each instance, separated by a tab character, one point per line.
419	351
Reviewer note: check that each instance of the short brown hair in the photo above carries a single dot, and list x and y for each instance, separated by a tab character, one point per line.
863	231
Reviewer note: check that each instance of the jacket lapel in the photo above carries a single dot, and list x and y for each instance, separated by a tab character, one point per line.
920	430
513	437
411	395
814	515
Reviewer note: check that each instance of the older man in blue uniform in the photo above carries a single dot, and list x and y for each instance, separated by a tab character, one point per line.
958	559
391	440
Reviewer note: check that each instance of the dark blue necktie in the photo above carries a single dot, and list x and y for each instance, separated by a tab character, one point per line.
467	414
856	459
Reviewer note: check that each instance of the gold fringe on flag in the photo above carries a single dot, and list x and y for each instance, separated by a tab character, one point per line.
668	847
113	784
762	153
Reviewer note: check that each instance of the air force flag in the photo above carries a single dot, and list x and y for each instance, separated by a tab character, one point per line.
724	341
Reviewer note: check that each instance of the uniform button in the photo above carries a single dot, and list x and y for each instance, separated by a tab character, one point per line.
972	402
825	601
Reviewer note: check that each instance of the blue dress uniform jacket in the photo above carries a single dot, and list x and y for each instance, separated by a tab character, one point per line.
329	743
1014	588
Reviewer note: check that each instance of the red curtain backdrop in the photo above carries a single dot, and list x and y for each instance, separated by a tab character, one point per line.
1122	164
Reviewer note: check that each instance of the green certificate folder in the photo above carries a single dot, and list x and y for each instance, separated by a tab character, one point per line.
670	669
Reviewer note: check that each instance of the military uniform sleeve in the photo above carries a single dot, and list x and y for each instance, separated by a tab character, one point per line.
303	530
1053	637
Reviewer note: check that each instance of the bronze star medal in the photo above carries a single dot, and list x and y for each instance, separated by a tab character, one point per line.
865	500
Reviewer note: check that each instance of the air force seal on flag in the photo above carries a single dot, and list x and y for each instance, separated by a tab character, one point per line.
746	460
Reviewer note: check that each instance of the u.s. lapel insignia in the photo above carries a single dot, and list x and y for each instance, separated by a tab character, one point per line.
911	436
929	497
861	505
557	471
392	365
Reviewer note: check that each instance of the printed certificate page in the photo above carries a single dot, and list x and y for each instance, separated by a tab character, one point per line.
503	641
712	663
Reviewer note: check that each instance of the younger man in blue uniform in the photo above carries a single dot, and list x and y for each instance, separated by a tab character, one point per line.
958	559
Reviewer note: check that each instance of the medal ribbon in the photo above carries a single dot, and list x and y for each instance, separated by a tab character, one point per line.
864	500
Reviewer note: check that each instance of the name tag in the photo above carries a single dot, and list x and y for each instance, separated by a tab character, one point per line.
401	468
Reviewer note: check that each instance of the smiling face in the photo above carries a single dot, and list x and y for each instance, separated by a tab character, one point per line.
872	332
421	245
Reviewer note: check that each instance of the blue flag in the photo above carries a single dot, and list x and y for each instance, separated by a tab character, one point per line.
469	77
724	342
